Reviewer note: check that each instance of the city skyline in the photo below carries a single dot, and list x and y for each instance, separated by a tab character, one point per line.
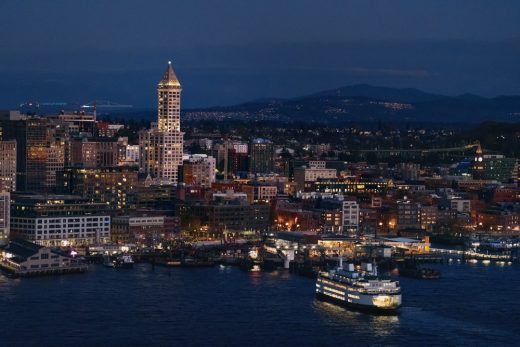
357	182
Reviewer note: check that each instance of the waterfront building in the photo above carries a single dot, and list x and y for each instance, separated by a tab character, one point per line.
161	147
24	258
499	220
261	153
8	165
143	229
59	220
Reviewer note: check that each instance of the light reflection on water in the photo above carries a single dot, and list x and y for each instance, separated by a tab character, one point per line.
380	325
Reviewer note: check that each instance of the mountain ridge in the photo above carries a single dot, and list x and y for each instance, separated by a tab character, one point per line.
364	102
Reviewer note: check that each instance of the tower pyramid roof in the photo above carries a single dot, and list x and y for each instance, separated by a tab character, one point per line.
169	78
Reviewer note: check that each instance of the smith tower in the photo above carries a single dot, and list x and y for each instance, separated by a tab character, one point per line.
169	102
161	146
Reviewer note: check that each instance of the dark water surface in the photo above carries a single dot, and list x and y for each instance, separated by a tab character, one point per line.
223	306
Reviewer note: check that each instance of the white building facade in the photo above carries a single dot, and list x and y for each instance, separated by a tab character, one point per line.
63	231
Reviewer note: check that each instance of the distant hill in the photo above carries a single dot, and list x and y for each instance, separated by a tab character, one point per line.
380	93
365	103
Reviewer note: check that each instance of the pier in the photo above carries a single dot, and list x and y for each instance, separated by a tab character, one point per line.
470	254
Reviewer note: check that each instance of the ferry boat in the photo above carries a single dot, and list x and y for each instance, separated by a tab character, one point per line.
414	271
363	289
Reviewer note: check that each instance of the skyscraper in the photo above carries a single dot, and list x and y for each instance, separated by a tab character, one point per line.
261	156
161	146
8	165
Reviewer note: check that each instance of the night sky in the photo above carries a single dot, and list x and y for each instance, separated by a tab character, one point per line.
231	51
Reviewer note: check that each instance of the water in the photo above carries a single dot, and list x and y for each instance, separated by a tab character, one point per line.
223	306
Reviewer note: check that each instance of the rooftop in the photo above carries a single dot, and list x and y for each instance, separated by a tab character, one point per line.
169	78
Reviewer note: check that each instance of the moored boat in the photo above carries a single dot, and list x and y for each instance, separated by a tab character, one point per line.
414	271
124	262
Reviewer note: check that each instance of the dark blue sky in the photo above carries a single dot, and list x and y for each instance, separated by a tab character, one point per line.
230	51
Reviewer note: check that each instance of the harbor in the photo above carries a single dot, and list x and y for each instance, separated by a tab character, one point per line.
226	306
305	254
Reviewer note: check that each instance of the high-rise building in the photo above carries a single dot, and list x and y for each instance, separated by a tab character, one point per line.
161	146
54	162
261	154
408	214
498	167
8	165
97	153
199	169
42	146
5	216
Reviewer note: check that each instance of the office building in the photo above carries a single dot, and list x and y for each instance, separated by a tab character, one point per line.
260	193
306	176
261	153
199	169
5	216
112	186
350	217
8	165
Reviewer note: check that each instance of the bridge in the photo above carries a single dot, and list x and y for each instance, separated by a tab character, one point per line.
408	152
